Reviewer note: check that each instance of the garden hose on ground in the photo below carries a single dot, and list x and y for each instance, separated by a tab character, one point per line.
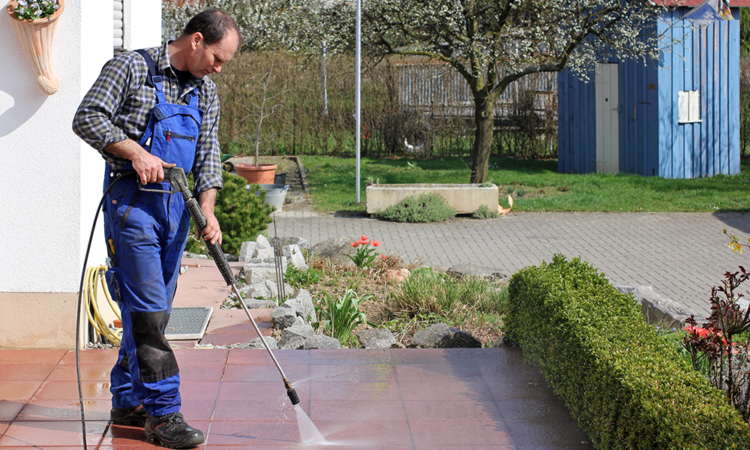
94	275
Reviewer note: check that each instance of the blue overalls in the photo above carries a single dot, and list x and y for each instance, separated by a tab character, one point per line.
146	234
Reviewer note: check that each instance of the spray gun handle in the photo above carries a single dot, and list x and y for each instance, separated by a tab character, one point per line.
177	179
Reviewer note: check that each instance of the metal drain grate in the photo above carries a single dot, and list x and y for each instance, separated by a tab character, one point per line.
188	323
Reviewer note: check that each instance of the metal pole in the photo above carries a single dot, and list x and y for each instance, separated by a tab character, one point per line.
358	70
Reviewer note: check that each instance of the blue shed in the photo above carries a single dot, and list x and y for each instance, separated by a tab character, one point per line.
676	118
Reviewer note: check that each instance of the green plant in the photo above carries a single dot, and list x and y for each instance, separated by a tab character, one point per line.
301	277
483	212
242	215
341	316
423	208
365	255
625	386
35	9
412	166
521	192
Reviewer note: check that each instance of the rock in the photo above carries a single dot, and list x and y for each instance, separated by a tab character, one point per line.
293	338
264	263
335	250
265	290
657	310
247	250
302	304
376	338
321	341
299	321
254	276
301	242
253	303
230	257
441	335
193	255
397	276
282	318
477	270
263	253
261	242
293	254
256	343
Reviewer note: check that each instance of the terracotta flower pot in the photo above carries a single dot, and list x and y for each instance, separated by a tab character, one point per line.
262	174
36	38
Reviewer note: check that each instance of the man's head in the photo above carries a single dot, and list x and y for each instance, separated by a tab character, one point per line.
210	39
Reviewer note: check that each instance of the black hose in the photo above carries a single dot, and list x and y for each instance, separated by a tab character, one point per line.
80	303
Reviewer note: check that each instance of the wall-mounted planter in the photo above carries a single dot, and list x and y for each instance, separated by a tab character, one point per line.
35	37
465	198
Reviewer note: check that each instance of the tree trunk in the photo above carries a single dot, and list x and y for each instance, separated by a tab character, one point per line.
484	117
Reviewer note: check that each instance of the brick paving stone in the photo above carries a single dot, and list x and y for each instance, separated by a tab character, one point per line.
680	254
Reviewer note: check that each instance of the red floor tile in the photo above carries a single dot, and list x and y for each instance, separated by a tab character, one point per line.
242	372
459	432
9	409
42	356
350	357
261	391
3	426
452	410
253	434
391	433
532	409
59	410
89	372
261	356
229	339
18	390
242	328
354	391
467	389
356	411
437	373
93	356
513	389
25	372
201	356
357	373
543	432
68	390
197	409
201	372
200	390
254	411
43	434
133	437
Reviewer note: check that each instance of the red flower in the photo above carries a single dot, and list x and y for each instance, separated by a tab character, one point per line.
384	257
375	243
363	238
355	244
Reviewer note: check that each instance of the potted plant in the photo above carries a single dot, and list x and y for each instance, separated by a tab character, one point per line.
35	22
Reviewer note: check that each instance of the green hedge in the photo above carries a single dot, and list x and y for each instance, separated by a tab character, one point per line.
626	387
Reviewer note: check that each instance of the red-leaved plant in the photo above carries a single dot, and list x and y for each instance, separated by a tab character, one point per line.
713	348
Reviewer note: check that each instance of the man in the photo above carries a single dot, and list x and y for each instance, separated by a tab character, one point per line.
150	110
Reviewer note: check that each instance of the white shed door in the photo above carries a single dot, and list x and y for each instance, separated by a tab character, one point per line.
607	119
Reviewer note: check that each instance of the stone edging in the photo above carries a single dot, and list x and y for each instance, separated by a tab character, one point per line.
302	174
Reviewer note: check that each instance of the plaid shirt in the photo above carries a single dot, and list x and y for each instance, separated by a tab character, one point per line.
118	106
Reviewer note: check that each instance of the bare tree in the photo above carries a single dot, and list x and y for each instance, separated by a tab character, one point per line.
492	43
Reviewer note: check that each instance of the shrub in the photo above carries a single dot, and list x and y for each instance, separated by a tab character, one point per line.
423	208
483	212
242	215
626	386
341	316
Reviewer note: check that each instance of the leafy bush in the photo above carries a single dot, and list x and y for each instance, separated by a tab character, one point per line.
341	316
626	386
242	215
423	208
483	212
300	278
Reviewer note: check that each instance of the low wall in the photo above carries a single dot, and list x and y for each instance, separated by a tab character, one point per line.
465	198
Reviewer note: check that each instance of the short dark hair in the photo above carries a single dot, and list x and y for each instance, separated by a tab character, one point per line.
213	24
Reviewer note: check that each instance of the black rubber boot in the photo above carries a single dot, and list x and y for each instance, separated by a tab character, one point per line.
134	417
172	431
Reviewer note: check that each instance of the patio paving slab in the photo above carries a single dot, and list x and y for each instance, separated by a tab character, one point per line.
389	399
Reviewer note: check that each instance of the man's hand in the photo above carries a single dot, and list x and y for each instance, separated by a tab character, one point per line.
212	233
149	168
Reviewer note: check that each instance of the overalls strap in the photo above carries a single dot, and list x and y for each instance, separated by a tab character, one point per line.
153	79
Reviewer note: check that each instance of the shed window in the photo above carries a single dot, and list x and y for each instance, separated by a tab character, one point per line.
689	106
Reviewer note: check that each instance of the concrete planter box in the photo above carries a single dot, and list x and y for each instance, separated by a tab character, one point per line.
465	198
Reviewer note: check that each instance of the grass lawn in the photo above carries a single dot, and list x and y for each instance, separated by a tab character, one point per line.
535	185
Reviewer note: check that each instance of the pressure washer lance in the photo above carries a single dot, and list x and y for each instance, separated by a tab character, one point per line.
176	177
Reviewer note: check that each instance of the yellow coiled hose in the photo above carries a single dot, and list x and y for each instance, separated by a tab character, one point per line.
94	274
